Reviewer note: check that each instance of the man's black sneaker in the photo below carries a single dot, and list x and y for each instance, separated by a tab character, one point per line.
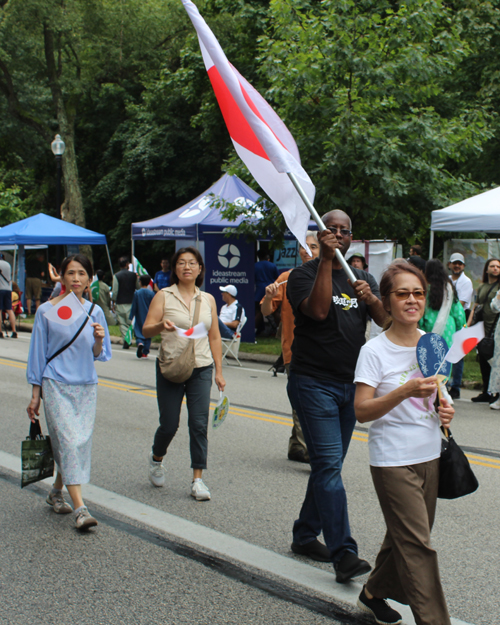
125	345
482	398
140	348
379	609
350	566
493	398
314	550
455	393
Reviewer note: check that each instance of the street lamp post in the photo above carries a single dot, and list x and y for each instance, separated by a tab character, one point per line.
58	146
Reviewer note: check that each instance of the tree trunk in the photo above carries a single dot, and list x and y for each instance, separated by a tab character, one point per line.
72	207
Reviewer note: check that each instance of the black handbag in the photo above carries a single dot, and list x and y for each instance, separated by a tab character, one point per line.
37	459
486	348
478	314
456	478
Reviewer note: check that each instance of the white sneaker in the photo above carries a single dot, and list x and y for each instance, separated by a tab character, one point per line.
84	520
199	490
495	405
56	500
156	472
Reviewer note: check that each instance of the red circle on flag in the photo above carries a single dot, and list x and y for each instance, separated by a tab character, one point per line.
189	332
64	312
469	344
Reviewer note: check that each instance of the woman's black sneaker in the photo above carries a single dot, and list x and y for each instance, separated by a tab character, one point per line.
379	609
482	398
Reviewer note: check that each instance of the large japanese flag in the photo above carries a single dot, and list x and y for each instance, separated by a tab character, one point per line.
464	341
260	138
67	311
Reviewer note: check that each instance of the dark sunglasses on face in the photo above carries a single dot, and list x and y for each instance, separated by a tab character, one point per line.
417	294
344	231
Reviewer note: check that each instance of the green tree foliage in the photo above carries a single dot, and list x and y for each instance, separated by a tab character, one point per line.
360	83
10	205
57	55
171	142
394	106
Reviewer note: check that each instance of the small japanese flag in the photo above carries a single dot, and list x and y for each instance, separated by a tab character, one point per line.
464	341
67	311
196	332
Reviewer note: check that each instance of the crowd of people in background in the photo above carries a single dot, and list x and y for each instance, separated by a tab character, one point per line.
320	312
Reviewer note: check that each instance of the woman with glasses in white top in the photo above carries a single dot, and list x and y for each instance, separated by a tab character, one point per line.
178	305
404	446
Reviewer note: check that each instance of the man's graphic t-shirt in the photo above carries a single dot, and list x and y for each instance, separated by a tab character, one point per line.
409	433
328	349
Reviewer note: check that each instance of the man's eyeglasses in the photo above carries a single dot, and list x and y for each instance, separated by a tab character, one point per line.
191	263
417	294
344	231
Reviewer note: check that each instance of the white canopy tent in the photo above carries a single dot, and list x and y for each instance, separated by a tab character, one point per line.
480	213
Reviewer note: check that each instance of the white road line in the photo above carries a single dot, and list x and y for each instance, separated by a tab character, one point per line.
287	568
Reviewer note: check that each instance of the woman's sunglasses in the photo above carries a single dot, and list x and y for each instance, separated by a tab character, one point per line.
417	294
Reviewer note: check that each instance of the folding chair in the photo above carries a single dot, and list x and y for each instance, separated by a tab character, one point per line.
232	346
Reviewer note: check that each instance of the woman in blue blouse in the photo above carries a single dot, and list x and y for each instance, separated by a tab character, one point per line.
69	384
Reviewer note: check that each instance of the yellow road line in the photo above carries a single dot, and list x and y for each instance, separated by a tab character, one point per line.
248	413
9	363
473	457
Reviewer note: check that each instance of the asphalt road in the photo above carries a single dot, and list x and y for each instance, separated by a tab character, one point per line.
128	571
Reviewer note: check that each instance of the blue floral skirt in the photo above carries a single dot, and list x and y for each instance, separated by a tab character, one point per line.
70	414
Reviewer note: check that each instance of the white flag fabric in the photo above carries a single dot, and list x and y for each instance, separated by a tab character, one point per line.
464	341
196	332
259	136
67	311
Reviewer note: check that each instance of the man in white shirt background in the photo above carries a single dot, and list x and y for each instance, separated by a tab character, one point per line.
465	290
232	313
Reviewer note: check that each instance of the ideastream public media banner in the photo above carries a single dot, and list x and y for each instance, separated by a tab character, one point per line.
231	261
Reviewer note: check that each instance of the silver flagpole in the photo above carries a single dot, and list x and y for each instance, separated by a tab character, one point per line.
109	260
321	225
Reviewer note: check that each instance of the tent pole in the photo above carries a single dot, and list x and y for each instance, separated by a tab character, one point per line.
431	245
14	264
109	260
132	243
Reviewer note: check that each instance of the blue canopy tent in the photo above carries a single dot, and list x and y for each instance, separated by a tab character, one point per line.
201	222
201	215
42	229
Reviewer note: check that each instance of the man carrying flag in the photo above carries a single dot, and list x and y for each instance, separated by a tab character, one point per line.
330	321
330	312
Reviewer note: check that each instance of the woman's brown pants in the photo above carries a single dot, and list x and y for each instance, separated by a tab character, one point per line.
406	569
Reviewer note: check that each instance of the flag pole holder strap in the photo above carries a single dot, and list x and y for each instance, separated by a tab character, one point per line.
321	225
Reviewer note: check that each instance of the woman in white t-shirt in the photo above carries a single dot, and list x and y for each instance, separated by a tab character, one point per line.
404	447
